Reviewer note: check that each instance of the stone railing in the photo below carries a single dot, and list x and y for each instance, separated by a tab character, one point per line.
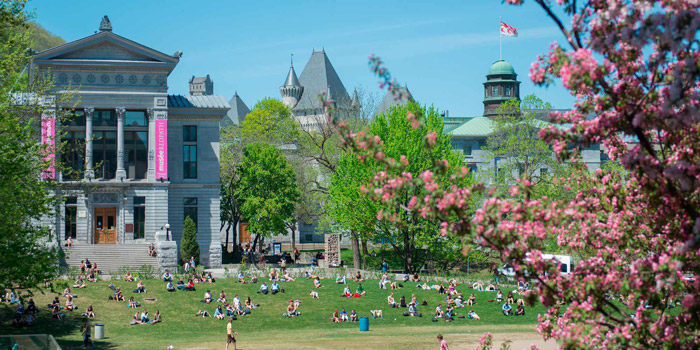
167	252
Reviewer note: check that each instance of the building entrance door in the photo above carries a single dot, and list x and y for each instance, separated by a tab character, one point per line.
105	225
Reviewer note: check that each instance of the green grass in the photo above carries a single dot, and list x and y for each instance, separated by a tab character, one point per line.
265	325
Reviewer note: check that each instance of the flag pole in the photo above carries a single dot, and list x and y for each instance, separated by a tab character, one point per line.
500	40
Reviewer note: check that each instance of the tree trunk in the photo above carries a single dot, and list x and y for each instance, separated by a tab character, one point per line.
228	230
356	258
364	247
294	234
407	253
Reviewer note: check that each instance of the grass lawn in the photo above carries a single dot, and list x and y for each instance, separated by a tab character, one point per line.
265	327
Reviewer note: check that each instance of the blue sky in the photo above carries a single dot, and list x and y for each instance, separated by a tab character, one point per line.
440	49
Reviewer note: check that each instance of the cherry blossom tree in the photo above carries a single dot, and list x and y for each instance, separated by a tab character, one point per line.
634	68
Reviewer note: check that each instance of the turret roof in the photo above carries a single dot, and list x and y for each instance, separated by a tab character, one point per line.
390	100
238	109
291	78
501	67
318	76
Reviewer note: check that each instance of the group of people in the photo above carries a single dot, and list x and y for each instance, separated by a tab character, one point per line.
343	316
233	309
144	318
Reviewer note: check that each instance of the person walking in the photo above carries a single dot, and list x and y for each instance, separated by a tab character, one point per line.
230	339
443	343
86	334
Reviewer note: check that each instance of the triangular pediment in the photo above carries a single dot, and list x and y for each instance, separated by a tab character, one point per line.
105	46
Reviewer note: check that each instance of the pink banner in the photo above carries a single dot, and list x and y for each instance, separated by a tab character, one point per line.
161	149
48	134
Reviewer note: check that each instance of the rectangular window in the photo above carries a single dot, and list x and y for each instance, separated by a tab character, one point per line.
507	91
104	154
104	118
494	91
136	151
70	219
189	151
139	217
467	149
73	119
73	154
190	209
135	118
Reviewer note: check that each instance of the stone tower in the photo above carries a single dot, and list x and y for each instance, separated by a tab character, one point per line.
501	85
291	90
201	86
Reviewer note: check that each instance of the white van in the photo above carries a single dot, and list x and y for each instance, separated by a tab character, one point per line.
566	261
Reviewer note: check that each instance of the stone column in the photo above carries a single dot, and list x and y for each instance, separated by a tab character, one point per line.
89	172
151	175
121	173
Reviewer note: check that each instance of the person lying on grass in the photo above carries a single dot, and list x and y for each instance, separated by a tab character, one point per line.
314	294
353	316
219	313
317	282
344	315
376	313
128	277
170	287
391	301
287	277
275	288
472	315
336	317
263	288
491	287
340	280
203	313
140	288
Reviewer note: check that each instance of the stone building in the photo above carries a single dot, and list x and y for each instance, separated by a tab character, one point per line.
144	159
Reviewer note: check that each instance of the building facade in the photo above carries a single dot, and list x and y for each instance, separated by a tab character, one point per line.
143	160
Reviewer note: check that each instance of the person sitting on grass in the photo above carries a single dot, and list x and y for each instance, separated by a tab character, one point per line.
472	315
249	304
263	288
128	277
287	277
506	308
222	297
140	288
254	279
491	287
449	313
414	300
210	278
118	296
336	317
156	318
340	280
391	301
136	319
241	277
344	315
89	312
69	303
317	282
415	277
91	277
346	292
190	286
520	309
180	284
170	287
360	291
402	301
358	277
207	297
57	314
393	285
441	289
273	275
79	283
111	286
413	310
66	292
292	309
314	294
458	301
353	316
203	313
376	313
144	316
167	277
55	302
275	288
472	300
383	281
133	303
438	311
499	296
509	298
151	250
31	306
219	313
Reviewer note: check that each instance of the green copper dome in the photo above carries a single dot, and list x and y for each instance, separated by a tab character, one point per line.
501	67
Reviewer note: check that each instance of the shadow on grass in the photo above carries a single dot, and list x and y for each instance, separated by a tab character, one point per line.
63	331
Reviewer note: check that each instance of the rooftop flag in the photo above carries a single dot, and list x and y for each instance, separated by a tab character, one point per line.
508	30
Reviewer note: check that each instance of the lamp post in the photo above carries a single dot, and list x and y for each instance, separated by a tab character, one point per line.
167	232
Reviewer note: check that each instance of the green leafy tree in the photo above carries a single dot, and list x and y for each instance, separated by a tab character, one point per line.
29	253
188	245
42	39
267	189
270	121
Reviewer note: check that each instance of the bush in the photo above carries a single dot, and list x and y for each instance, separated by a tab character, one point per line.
147	272
189	246
73	272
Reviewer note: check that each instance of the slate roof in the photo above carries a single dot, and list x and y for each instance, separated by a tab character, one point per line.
390	100
205	101
479	127
292	79
318	76
238	109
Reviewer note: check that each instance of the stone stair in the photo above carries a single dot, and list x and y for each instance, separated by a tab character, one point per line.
110	257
